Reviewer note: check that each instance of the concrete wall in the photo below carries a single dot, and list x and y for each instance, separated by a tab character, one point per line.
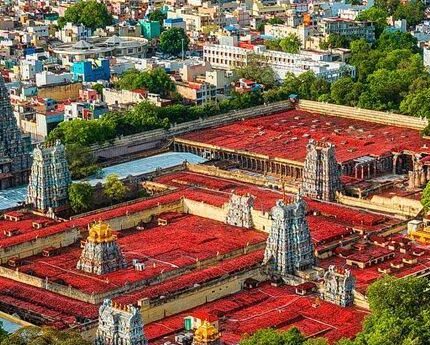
198	296
385	118
151	139
60	92
397	206
36	246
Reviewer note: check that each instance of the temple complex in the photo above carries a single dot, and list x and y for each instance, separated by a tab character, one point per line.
15	148
339	287
119	325
289	246
206	334
101	253
321	177
239	211
50	178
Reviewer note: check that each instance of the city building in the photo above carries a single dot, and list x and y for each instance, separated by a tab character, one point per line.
50	178
91	70
150	29
348	28
72	33
321	175
119	325
338	287
15	148
289	246
230	57
101	253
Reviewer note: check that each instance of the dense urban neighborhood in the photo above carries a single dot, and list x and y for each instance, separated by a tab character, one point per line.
214	172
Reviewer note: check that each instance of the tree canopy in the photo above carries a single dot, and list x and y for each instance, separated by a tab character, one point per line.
412	11
259	71
172	39
157	16
90	13
114	188
376	15
43	336
155	81
80	196
270	336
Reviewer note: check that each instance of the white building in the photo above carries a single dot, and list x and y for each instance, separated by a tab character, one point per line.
71	33
347	28
48	78
426	51
228	57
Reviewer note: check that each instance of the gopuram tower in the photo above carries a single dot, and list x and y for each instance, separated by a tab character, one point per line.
50	178
289	247
15	159
101	253
321	176
119	325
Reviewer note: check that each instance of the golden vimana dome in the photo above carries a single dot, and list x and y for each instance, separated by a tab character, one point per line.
101	232
206	333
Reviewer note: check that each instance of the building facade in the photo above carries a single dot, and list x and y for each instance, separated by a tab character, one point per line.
339	287
50	178
348	28
119	325
101	253
289	247
15	159
231	57
321	175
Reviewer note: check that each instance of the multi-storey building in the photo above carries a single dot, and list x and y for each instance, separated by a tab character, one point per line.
239	211
348	28
50	178
230	57
289	246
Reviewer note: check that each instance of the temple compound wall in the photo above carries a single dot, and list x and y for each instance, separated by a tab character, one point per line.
119	325
36	246
15	148
289	246
50	178
157	310
338	287
374	116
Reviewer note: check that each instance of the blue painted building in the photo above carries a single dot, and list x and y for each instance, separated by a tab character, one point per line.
91	70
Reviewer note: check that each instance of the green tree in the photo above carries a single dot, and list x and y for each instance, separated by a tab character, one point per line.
273	337
3	333
290	44
376	15
388	5
273	44
417	104
425	198
80	197
90	13
155	81
275	21
400	313
157	16
98	88
172	40
257	70
114	188
335	41
345	91
44	336
391	40
81	161
412	11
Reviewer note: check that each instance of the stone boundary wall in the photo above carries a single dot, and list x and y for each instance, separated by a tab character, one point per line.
240	176
151	139
395	206
386	118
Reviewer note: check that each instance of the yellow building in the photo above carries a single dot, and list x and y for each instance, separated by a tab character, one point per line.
419	231
206	334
